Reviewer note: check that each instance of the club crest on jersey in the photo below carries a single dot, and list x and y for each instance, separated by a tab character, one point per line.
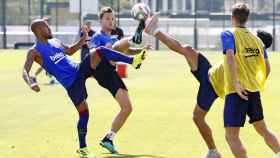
57	57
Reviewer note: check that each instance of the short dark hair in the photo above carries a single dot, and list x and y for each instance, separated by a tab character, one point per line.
35	23
241	11
104	10
266	38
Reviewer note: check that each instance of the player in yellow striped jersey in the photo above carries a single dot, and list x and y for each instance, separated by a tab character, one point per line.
211	79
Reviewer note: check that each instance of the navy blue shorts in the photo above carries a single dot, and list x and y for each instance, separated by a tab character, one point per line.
206	93
237	108
105	75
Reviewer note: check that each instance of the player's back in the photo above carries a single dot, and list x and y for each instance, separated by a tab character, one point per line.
250	63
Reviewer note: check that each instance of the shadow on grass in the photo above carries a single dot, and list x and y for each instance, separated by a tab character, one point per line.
130	156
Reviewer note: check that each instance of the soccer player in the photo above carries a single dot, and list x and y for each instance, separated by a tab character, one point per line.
40	69
211	79
245	75
105	37
52	55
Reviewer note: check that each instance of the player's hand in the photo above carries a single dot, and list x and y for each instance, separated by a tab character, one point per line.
85	33
35	88
241	91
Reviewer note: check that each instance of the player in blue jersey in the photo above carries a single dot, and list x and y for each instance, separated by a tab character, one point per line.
52	55
106	37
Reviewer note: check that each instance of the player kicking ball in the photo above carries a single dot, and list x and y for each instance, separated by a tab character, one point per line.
52	55
105	37
211	79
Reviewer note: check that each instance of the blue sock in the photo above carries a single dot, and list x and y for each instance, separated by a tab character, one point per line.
113	55
82	128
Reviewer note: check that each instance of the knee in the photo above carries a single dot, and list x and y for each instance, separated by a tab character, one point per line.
198	118
83	116
231	137
127	109
188	47
264	132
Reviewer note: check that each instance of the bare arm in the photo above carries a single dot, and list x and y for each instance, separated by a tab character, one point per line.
70	50
230	57
26	69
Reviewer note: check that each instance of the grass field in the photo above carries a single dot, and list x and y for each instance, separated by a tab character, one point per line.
163	93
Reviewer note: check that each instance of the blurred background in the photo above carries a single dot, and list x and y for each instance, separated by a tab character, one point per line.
197	22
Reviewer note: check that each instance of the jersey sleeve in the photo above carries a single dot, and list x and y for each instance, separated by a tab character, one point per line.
265	55
95	41
227	40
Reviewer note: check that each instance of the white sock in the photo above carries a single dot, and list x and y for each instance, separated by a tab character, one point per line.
278	155
110	135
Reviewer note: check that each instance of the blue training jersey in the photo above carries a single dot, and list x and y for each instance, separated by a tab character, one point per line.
100	38
56	62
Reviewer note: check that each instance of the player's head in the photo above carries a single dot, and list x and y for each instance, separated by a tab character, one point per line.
107	18
266	38
240	14
41	29
87	24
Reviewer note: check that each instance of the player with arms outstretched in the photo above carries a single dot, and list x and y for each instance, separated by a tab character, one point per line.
52	55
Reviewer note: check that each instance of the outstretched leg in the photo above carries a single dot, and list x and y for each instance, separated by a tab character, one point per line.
187	51
190	54
113	55
124	44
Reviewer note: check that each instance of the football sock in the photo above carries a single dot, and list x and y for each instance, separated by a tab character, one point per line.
113	55
137	38
110	135
82	128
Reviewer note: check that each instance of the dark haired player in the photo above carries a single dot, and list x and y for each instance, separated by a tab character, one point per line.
52	55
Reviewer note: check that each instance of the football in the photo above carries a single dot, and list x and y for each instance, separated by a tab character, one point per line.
140	11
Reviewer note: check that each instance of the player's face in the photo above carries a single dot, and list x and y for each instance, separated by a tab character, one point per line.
107	21
88	25
45	31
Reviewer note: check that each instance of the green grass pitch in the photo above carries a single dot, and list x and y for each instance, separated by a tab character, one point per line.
163	92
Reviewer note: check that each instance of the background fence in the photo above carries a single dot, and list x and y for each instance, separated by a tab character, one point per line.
198	22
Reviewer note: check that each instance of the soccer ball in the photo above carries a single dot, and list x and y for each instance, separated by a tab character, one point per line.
140	11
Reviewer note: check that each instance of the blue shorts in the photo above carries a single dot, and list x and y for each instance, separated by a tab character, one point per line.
206	93
237	108
105	75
